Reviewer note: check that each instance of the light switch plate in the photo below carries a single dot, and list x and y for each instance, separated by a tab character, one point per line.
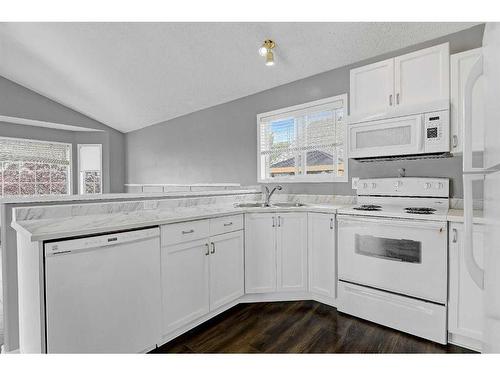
355	181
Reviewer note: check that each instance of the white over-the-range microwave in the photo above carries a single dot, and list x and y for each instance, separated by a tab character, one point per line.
414	135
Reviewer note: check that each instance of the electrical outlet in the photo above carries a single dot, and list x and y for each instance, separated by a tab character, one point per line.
150	204
355	181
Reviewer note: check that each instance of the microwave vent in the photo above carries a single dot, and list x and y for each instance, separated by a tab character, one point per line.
404	157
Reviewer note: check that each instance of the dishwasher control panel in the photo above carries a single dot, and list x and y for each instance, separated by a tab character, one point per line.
80	244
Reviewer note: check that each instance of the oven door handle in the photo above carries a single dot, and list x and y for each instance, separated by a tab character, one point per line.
346	219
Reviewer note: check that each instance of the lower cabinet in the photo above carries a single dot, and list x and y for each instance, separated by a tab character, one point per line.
275	252
291	247
226	269
185	283
465	304
322	255
260	253
200	276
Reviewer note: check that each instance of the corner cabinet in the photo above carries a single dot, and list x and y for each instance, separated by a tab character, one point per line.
461	64
275	252
322	256
465	304
201	268
406	82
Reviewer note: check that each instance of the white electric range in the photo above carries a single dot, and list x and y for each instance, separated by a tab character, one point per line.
393	255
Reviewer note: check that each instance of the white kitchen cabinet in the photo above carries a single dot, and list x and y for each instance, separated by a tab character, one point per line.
260	253
226	268
291	245
414	82
201	275
372	88
465	305
275	252
322	255
422	76
185	283
461	64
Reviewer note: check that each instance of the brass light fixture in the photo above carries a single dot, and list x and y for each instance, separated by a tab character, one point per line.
267	51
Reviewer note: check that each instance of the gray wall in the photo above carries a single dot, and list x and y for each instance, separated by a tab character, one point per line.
18	101
219	144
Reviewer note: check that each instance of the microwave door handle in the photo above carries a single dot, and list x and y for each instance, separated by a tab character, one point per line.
475	272
420	134
475	72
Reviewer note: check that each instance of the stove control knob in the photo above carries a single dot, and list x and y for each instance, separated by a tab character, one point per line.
374	185
440	185
427	185
397	184
365	185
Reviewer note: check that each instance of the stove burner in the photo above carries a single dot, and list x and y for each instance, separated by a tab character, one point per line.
420	210
368	207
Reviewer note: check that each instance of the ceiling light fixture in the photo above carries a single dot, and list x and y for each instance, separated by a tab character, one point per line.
267	51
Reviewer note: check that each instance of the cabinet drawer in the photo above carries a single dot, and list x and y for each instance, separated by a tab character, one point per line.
416	317
226	224
182	232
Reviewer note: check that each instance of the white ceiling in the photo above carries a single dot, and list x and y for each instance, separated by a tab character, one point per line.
132	75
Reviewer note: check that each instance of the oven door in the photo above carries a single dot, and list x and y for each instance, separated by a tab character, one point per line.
402	256
389	137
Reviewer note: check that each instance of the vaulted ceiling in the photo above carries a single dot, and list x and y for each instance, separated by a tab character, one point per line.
132	75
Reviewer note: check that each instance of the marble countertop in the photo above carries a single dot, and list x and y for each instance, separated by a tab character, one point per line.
100	197
457	216
50	229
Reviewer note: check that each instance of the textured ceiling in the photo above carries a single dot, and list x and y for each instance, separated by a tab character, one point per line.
131	75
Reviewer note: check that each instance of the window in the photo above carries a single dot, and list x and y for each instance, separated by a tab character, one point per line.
29	167
90	169
303	143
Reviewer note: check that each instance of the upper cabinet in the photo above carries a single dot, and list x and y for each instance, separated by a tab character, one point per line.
413	82
372	87
461	64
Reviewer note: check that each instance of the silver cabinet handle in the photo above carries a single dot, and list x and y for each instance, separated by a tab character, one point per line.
279	221
397	98
208	249
228	224
331	223
455	235
455	141
188	231
274	222
213	248
390	99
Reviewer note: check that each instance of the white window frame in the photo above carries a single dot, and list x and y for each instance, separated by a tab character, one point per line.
316	105
79	170
70	169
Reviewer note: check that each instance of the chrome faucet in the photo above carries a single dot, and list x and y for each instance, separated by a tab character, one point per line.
269	194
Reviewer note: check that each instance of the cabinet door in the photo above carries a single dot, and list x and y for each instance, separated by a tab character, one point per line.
461	64
292	251
226	268
422	76
322	259
260	253
372	88
466	299
185	283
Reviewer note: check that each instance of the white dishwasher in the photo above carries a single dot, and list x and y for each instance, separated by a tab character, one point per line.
102	293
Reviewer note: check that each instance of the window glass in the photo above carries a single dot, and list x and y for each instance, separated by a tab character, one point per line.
90	168
303	143
29	167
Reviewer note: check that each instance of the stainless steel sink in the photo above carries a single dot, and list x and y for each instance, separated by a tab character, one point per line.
288	204
273	205
251	205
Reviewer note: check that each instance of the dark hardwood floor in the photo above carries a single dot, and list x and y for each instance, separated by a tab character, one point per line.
296	327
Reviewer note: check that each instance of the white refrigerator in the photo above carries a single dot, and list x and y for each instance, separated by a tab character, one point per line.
489	277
